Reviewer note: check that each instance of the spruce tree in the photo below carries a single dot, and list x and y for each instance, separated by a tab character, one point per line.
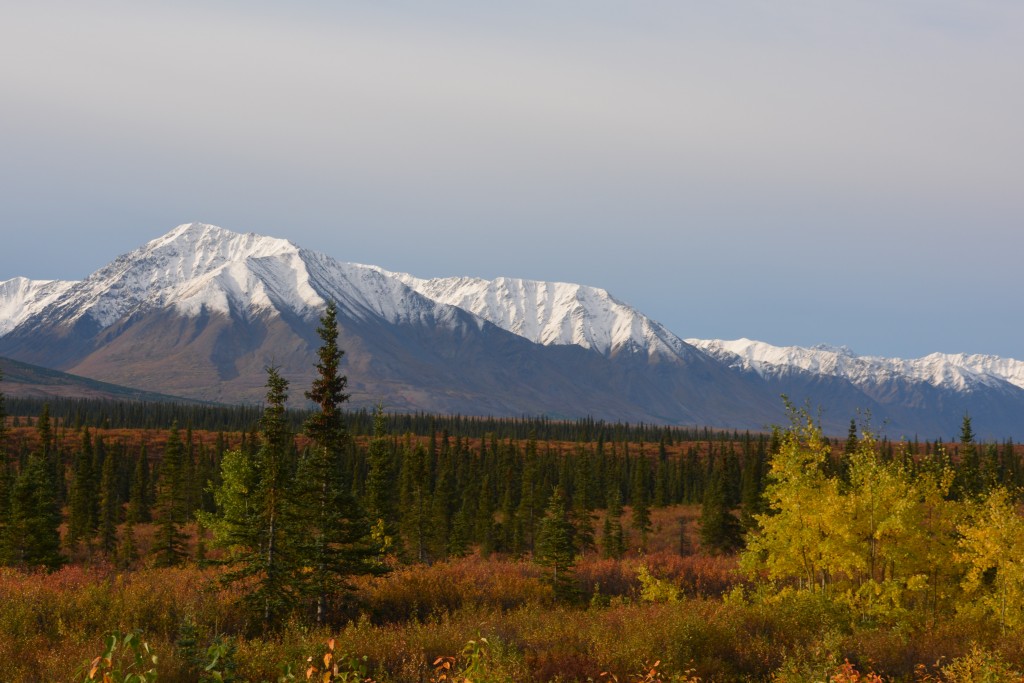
109	508
82	503
556	548
33	533
169	544
641	508
720	531
967	482
613	542
380	481
338	542
258	522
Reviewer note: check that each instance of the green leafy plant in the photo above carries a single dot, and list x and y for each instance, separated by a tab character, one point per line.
126	659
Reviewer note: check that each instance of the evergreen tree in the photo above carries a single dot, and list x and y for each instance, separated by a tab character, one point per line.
338	542
556	547
109	507
83	503
258	523
613	543
33	537
641	509
720	531
380	479
138	498
967	483
169	544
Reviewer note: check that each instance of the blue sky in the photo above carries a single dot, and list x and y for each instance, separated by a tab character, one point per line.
792	171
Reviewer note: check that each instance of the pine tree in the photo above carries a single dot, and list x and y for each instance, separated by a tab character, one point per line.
967	483
556	547
613	543
138	500
169	544
259	523
720	531
109	507
641	509
338	542
83	502
33	535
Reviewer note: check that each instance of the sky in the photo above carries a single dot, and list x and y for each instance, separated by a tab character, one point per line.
792	171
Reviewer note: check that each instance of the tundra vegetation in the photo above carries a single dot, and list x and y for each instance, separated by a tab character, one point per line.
342	546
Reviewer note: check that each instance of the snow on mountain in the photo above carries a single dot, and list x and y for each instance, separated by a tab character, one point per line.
554	313
21	298
198	268
960	372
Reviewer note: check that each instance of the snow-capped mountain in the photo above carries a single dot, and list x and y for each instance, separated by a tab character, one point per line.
957	372
20	298
552	313
201	311
926	395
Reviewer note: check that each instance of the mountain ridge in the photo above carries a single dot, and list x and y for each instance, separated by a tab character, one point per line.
222	305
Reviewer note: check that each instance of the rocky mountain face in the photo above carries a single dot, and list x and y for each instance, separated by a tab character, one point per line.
201	312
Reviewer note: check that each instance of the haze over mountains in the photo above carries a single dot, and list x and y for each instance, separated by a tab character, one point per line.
201	311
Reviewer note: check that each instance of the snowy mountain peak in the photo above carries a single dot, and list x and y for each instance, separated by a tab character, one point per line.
554	313
960	372
21	298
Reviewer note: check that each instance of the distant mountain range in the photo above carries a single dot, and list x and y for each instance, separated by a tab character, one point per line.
201	311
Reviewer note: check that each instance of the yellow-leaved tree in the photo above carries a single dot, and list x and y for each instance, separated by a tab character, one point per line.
992	548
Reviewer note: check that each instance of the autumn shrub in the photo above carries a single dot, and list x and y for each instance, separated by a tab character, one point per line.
420	591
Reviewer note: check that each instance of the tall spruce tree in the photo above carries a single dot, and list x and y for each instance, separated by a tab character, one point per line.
258	522
556	548
109	508
338	544
381	506
33	537
613	542
82	503
720	531
169	544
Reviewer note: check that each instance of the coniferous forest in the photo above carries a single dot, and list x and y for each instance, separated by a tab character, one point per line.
144	542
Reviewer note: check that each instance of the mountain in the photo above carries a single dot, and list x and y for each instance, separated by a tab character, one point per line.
201	311
927	396
22	380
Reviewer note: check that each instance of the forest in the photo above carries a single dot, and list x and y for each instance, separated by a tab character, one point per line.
145	542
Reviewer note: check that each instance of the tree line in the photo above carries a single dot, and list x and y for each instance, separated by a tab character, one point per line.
296	508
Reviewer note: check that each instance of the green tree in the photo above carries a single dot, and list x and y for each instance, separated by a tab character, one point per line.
968	472
169	544
109	508
613	543
381	505
640	500
338	544
720	531
83	501
33	533
556	548
258	522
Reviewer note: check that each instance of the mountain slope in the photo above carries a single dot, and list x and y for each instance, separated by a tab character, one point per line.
552	313
22	380
928	395
202	311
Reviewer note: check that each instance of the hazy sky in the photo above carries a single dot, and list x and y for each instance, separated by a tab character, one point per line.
793	171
